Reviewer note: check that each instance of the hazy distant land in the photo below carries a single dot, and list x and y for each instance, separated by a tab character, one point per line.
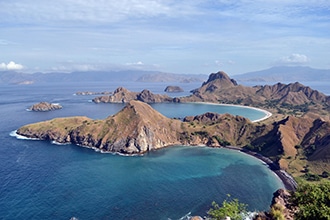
274	74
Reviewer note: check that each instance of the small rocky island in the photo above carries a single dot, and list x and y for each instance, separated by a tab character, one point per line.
173	89
92	93
123	95
44	107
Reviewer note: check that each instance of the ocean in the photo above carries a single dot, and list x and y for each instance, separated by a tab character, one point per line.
42	180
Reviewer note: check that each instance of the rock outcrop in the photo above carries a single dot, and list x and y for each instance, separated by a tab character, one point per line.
123	95
281	201
44	106
173	89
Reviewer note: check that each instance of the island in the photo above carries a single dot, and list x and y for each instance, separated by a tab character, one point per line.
173	89
294	140
295	137
92	93
45	106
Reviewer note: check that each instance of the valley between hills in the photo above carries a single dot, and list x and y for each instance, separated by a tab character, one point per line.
296	136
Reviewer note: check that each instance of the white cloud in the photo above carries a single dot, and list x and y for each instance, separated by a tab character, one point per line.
140	66
38	11
293	59
11	66
139	63
71	66
224	63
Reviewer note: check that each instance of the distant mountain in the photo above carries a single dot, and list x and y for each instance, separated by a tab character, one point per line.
171	77
286	74
12	77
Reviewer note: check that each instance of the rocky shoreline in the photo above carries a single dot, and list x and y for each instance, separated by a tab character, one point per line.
288	181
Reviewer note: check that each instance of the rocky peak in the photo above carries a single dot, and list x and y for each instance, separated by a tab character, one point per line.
121	89
221	77
216	83
142	109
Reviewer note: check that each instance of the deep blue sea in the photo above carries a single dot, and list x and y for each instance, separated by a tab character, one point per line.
41	180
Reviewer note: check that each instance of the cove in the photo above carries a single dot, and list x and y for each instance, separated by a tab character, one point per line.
163	184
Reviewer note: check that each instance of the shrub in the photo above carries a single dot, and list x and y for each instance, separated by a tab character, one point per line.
276	212
313	201
325	174
233	209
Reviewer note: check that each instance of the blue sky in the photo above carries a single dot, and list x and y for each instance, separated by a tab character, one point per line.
187	36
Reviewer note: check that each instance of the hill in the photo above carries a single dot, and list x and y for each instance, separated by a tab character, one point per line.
220	88
296	136
138	128
286	74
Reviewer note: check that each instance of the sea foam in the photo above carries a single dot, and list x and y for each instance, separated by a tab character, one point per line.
21	137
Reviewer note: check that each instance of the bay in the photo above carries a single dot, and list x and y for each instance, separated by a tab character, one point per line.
40	180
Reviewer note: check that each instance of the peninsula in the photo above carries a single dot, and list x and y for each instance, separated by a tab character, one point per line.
295	137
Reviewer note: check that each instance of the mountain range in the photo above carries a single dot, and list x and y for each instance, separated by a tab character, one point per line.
274	74
286	74
13	77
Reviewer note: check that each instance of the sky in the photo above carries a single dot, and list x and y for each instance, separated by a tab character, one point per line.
186	36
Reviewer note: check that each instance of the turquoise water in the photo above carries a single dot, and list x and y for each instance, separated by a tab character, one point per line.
40	180
64	181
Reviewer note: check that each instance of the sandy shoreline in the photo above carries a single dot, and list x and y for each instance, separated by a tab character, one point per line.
268	114
287	179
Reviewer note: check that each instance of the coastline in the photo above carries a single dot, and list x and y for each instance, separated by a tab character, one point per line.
267	113
288	181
